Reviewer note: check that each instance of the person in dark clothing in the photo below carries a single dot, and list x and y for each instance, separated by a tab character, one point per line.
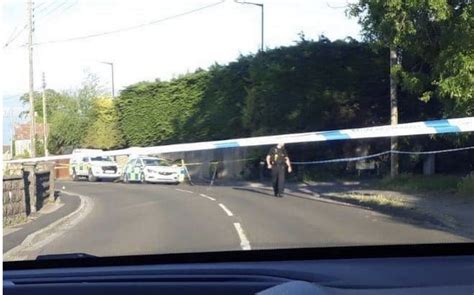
278	161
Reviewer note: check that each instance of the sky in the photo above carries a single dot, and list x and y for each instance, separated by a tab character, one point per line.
217	34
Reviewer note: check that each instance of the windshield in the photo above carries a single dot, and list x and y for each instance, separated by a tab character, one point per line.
101	158
283	124
156	162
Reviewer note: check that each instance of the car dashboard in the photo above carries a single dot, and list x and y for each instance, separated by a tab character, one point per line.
382	275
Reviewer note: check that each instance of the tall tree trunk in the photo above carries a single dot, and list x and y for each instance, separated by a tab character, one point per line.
393	111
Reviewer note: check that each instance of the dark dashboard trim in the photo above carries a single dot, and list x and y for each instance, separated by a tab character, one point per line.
382	251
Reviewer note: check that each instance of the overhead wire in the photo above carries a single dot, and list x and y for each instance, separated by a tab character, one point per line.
45	18
131	27
14	37
12	34
70	6
52	11
41	4
42	18
44	8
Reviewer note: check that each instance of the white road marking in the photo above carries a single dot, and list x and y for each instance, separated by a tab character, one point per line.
207	197
226	210
244	242
184	191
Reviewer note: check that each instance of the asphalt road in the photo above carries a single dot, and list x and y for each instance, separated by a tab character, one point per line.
129	219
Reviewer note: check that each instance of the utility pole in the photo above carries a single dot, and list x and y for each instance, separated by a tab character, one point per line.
12	121
111	64
262	44
31	85
45	129
113	80
393	112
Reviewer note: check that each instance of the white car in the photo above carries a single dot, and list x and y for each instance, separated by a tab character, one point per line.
150	169
93	166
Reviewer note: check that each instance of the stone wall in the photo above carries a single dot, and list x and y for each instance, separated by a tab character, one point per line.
14	201
27	193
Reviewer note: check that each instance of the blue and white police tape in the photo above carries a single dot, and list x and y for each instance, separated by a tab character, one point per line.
409	129
352	159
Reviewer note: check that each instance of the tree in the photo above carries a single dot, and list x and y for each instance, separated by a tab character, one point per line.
67	128
387	23
103	131
436	40
435	37
55	101
70	113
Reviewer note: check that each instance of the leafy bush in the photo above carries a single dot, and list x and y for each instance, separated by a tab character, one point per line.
466	185
309	86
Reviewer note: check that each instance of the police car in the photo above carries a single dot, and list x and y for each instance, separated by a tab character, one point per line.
151	169
90	164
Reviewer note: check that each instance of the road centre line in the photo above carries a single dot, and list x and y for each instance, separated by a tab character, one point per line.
226	210
244	242
184	191
207	197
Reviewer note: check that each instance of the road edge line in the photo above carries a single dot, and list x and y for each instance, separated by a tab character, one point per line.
184	191
207	197
226	210
244	242
52	231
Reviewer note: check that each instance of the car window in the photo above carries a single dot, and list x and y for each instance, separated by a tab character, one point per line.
242	124
156	162
163	162
101	159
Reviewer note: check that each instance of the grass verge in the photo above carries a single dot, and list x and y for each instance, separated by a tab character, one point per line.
466	186
395	207
421	183
371	200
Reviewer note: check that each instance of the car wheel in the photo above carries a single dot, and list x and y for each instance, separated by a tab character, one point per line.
142	178
91	177
125	178
74	175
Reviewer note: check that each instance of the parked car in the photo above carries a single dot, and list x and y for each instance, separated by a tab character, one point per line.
90	164
151	169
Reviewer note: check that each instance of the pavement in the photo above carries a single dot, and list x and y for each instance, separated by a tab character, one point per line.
13	236
131	219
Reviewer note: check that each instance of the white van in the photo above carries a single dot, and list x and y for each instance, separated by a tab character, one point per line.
89	163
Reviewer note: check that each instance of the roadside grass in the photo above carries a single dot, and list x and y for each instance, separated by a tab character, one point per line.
395	206
373	200
466	186
317	177
14	221
421	183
